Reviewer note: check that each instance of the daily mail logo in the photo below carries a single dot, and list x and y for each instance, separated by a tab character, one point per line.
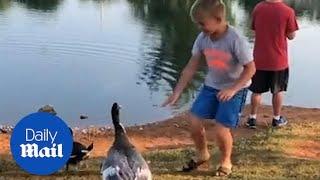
40	139
32	150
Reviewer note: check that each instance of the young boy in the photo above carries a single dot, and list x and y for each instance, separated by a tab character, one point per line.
273	22
230	69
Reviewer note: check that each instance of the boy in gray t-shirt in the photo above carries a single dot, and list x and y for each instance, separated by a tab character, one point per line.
230	69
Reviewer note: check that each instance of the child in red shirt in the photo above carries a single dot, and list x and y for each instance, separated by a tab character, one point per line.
273	22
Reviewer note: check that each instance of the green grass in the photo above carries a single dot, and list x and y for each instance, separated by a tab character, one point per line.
264	156
260	157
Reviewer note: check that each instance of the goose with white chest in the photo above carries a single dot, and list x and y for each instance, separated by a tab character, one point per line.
123	161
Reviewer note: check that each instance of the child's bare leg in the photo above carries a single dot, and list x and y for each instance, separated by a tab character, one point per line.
255	102
277	100
224	141
198	135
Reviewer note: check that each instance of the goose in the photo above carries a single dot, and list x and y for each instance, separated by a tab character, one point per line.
79	152
123	161
48	109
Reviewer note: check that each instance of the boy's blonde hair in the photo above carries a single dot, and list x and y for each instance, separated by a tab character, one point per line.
207	8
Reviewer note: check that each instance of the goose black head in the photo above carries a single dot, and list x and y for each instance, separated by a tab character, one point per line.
120	132
115	112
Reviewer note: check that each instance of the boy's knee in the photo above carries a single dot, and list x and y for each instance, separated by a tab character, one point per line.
280	93
220	128
195	121
196	124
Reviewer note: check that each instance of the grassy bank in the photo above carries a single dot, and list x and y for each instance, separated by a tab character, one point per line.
269	154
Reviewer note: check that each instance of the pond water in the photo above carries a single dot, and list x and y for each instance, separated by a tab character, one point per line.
82	55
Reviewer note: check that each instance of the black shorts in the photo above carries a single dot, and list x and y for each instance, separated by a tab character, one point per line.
276	81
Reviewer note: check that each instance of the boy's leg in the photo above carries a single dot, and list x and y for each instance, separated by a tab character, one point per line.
277	100
255	103
199	137
279	85
228	116
224	141
260	84
204	107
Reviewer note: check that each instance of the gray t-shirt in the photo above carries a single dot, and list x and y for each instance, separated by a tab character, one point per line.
225	57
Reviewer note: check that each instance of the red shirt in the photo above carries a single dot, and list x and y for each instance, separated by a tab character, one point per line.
271	23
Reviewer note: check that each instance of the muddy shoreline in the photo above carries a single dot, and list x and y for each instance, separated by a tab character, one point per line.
174	132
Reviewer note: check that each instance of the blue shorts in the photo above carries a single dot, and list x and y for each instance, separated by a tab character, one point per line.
207	106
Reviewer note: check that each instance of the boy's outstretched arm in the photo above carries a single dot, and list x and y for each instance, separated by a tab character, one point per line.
186	76
247	73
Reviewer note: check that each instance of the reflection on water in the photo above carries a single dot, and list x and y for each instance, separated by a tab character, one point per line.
4	4
165	59
306	8
43	5
81	55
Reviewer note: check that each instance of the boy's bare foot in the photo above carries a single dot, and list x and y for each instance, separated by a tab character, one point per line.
225	163
202	155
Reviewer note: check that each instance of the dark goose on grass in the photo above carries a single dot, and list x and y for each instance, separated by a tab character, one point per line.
79	153
123	161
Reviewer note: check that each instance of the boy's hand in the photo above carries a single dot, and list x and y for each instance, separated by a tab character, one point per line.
226	94
172	99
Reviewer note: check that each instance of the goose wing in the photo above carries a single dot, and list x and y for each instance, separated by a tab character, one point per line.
138	165
116	167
